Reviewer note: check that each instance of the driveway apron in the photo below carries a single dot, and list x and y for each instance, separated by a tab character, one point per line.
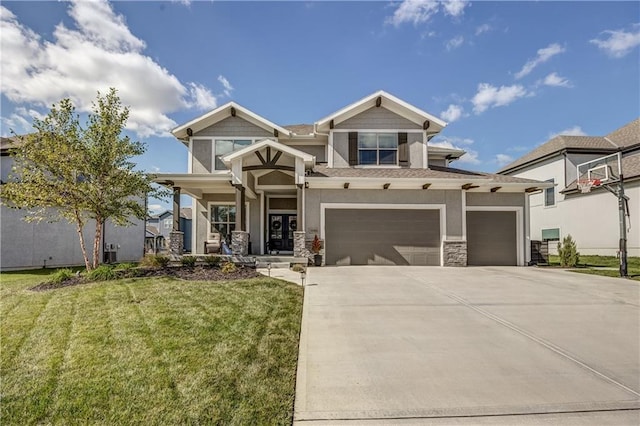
429	344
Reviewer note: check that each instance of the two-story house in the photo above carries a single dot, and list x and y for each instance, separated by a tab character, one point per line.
364	179
591	218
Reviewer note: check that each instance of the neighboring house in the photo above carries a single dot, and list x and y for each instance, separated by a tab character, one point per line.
28	245
364	179
159	227
592	219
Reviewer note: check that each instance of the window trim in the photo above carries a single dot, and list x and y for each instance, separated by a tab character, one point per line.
227	203
377	149
553	192
252	139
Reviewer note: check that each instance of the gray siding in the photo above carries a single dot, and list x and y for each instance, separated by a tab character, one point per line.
276	178
202	155
340	150
27	245
496	199
377	118
415	150
451	198
234	127
6	163
319	151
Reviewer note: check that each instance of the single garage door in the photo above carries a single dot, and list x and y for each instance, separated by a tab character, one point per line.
382	237
491	238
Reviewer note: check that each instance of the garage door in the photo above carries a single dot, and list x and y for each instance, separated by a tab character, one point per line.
491	238
382	237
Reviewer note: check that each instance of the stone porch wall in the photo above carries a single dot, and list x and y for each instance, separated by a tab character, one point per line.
454	253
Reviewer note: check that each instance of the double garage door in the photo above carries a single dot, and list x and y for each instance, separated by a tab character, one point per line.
412	237
382	237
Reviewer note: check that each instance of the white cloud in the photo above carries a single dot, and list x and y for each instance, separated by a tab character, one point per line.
503	159
454	8
228	88
471	156
202	97
420	11
483	29
618	43
555	80
543	55
489	96
155	208
570	131
15	123
455	42
452	113
97	52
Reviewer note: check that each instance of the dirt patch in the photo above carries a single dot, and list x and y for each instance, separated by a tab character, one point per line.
197	273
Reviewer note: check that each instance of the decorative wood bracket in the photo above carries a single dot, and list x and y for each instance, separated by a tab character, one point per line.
468	186
426	186
269	163
495	188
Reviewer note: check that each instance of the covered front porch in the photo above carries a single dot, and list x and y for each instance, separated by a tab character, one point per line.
256	206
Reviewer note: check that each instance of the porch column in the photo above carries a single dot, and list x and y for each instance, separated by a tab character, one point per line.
241	212
300	206
176	237
176	208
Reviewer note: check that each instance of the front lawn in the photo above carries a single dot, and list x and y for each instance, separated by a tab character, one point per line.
602	265
148	350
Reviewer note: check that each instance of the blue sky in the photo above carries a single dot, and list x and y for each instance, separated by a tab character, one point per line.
507	76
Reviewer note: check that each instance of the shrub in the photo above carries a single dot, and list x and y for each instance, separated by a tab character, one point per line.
228	267
102	273
212	260
154	261
125	266
189	261
316	246
60	276
568	252
297	268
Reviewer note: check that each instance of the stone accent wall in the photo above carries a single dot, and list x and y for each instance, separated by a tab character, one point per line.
239	243
300	248
176	243
455	253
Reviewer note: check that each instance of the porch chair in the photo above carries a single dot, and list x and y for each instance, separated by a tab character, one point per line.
213	243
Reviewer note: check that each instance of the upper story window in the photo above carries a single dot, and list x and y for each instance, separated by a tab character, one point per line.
377	149
550	195
222	147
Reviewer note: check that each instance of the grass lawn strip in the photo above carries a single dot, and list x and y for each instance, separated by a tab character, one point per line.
149	351
606	266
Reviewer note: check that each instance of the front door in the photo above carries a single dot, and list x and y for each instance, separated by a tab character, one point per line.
281	227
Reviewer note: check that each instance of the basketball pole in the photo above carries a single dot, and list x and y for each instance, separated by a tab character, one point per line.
623	227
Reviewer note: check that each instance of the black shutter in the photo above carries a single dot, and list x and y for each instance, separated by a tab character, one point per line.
353	148
403	149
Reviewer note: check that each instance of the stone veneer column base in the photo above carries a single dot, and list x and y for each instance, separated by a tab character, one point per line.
455	253
239	243
300	244
176	243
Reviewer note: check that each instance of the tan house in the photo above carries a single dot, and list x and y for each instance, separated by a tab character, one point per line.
364	179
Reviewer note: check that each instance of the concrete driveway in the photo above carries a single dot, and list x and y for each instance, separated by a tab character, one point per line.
485	345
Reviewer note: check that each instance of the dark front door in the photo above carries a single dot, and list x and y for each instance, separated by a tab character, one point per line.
281	227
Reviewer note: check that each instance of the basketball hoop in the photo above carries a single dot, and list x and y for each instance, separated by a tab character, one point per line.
585	185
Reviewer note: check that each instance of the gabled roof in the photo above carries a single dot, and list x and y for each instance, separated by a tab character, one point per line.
389	102
621	139
626	136
307	158
226	111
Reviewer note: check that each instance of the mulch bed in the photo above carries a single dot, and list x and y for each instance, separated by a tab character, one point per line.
196	273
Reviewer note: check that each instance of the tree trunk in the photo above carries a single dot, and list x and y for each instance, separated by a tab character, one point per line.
96	243
83	247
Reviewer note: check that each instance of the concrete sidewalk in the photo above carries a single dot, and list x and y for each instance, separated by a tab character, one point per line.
484	345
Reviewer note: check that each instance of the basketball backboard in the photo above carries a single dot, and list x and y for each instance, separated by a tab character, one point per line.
601	171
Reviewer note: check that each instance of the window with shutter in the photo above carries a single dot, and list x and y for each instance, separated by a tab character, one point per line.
403	149
353	148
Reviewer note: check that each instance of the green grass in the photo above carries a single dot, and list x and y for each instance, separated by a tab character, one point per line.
592	264
150	351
